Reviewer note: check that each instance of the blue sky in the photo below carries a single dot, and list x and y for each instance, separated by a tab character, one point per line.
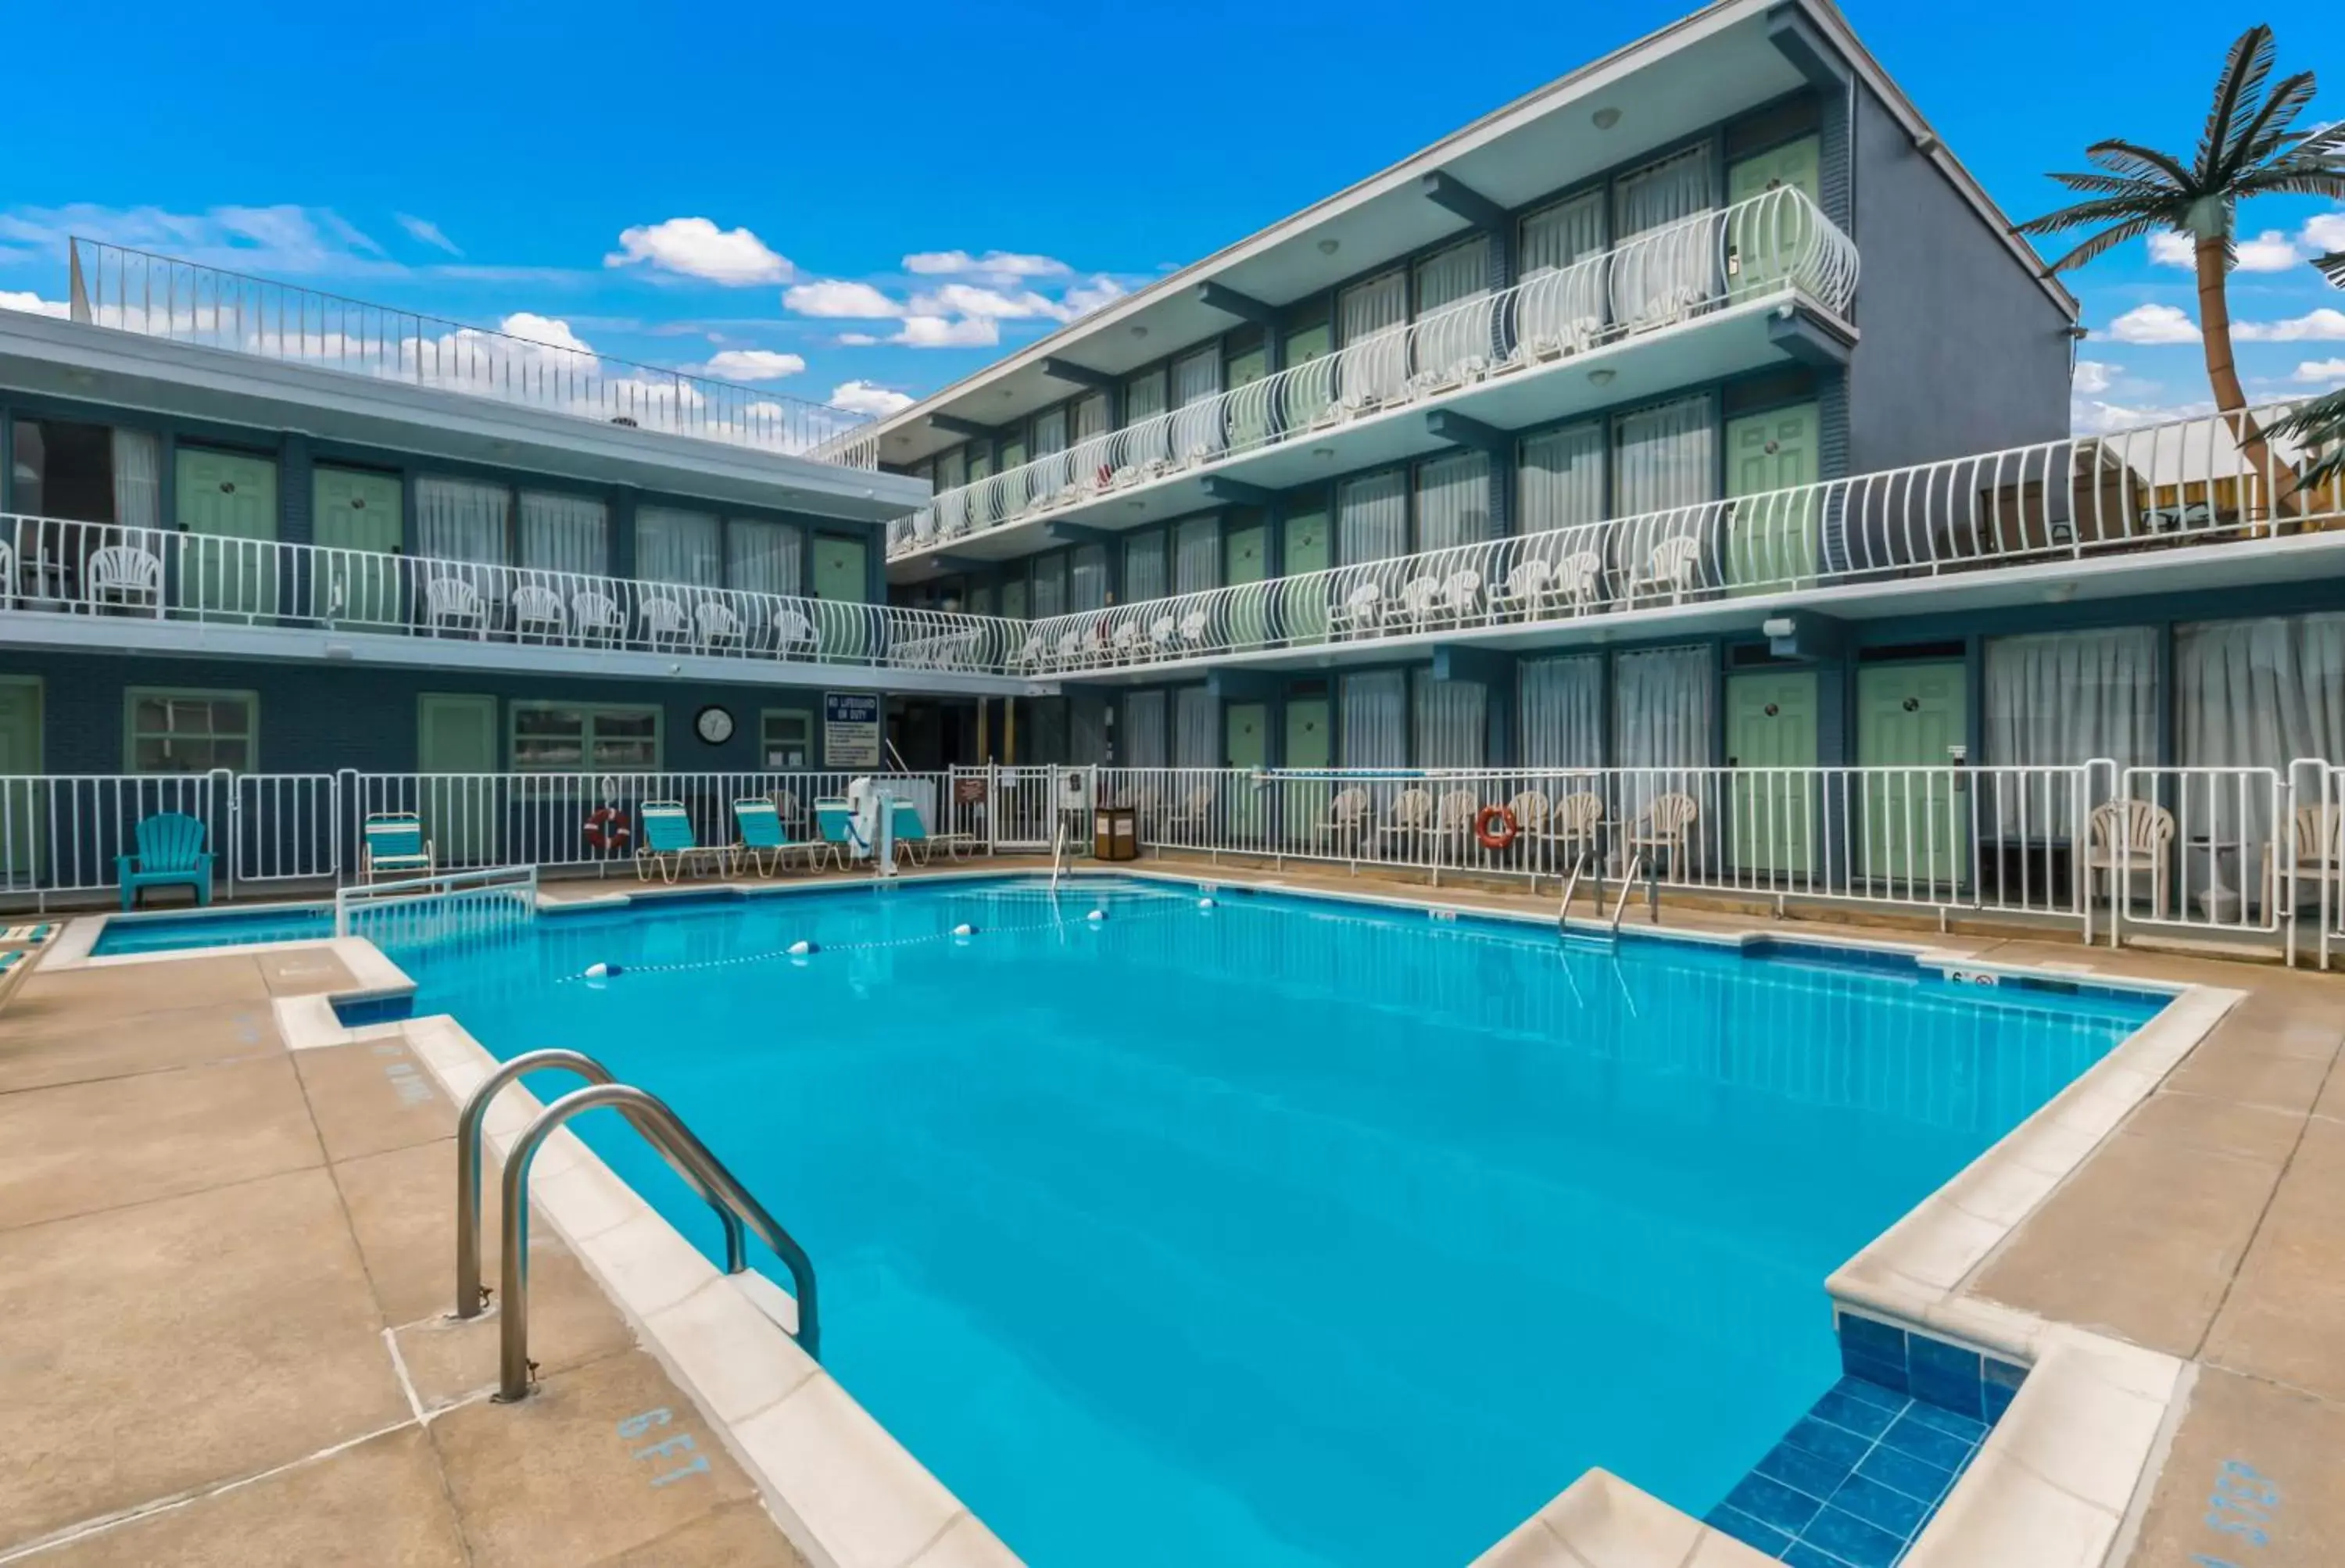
869	203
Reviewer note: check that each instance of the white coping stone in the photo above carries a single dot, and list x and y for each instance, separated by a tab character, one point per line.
2002	1514
966	1543
1602	1522
723	1342
849	1484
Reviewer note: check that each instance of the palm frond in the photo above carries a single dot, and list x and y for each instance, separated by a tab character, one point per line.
2115	185
2107	209
2136	161
2269	134
2106	240
2236	91
2321	422
2294	182
2332	267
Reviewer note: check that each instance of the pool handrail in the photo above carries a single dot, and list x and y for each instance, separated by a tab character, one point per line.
665	1131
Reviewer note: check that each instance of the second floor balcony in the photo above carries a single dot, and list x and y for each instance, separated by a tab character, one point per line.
1772	248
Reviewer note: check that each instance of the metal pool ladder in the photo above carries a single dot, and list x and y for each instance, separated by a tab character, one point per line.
661	1128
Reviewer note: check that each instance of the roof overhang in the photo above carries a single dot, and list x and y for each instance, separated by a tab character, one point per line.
117	368
1668	85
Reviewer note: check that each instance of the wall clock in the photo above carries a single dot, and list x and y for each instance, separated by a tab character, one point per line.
713	725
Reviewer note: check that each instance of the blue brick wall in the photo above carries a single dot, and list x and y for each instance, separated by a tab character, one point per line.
321	717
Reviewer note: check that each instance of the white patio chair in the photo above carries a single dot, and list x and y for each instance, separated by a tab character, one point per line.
2129	838
7	574
716	624
596	617
1579	581
1192	631
2316	856
1346	820
1662	832
1671	572
1461	595
1453	822
1524	587
1411	818
1070	653
663	620
1358	612
1125	646
793	633
126	577
1160	636
538	609
453	601
1419	603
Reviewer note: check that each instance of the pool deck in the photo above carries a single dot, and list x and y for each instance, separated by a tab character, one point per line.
224	1269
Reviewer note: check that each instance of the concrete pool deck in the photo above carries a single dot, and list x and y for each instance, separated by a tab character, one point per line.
223	1268
224	1276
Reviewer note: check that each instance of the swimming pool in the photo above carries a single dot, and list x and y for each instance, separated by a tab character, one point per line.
1309	1233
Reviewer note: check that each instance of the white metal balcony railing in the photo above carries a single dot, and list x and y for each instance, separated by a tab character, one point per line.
2088	497
160	297
100	569
1774	242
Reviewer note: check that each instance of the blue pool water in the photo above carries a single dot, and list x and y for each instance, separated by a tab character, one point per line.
230	928
1300	1233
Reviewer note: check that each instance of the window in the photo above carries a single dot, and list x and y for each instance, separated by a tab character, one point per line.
89	473
785	739
564	534
457	520
190	732
1664	457
677	547
584	737
764	557
1555	236
1561	484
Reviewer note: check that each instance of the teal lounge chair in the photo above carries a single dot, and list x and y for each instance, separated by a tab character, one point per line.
28	935
913	838
835	821
762	842
394	845
170	853
668	844
13	967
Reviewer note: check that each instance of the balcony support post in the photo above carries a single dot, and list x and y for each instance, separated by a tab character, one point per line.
1230	302
1235	491
1083	376
1803	338
967	429
1454	195
1796	39
1460	429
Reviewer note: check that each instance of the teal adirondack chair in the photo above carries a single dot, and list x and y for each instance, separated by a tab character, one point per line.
170	853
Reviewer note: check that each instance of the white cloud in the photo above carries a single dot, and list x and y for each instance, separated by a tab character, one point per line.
696	248
752	365
1084	298
969	300
999	265
2270	251
2154	325
2326	325
429	232
552	332
938	332
2089	416
857	340
11	300
863	397
2313	371
2093	376
838	299
2168	249
2325	232
284	239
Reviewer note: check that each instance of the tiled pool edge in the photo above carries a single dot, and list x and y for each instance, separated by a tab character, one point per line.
843	1490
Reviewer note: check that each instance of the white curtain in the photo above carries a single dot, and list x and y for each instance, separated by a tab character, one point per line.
458	520
1050	587
1143	725
674	545
1451	719
1373	314
1462	271
1448	332
2071	696
1143	399
1560	711
1196	555
1453	500
138	479
1196	728
1196	381
1372	517
1050	432
764	557
1667	457
1087	578
1555	236
1656	279
952	470
1561	481
1090	415
1144	577
1375	728
1663	708
2253	694
564	534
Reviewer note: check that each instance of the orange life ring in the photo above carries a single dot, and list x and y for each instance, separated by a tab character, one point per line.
1494	827
606	828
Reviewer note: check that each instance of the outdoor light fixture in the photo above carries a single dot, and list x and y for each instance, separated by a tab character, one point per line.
1602	376
1327	247
1605	117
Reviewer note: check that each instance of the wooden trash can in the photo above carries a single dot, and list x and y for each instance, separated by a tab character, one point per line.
1115	833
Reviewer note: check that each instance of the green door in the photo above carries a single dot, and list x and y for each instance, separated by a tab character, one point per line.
1245	735
1303	606
225	498
1771	723
357	516
1306	395
1769	240
456	733
1771	542
1917	829
1310	743
20	757
840	568
1246	559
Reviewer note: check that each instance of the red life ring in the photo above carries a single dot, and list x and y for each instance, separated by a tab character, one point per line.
1495	827
606	828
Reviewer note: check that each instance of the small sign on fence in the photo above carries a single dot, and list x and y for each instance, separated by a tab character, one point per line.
850	730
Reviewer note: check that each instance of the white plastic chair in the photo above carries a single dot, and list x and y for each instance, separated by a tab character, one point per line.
1160	636
1525	586
1461	595
2316	856
1070	652
663	621
1411	816
597	615
1125	646
7	574
1420	600
1349	812
128	576
2127	838
453	601
1192	629
1671	571
537	608
793	633
1661	832
1358	611
1579	581
716	624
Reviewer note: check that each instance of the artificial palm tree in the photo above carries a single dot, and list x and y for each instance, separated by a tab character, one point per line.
2322	421
2249	147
